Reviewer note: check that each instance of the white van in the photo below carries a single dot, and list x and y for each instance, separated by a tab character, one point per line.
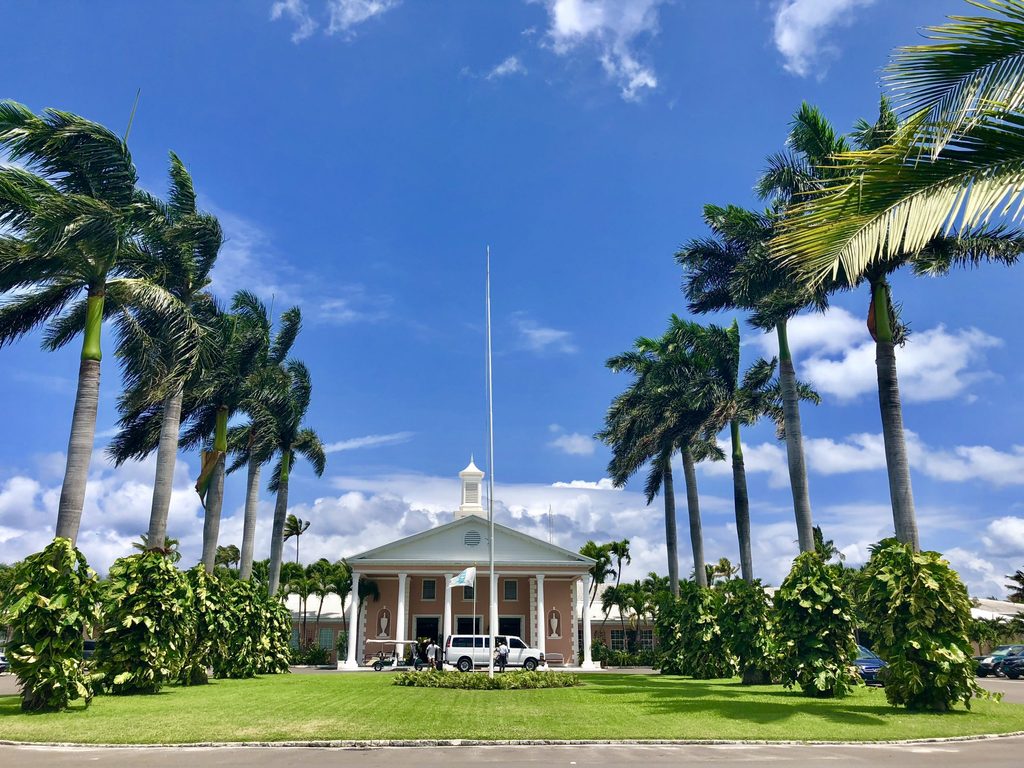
468	651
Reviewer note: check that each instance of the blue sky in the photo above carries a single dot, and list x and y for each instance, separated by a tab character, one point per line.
362	153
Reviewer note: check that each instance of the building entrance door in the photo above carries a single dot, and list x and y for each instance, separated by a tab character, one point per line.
510	625
428	626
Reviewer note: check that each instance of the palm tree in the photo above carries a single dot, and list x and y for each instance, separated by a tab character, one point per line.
303	583
252	443
218	390
652	420
343	588
1017	587
228	555
732	402
182	245
70	256
733	269
168	550
329	578
616	596
291	438
620	551
295	526
602	569
721	571
803	245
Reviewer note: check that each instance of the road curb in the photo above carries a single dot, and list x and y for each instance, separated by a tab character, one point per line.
355	744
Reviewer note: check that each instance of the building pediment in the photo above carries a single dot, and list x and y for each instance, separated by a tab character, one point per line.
465	542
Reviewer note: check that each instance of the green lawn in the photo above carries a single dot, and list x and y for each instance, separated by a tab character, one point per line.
607	706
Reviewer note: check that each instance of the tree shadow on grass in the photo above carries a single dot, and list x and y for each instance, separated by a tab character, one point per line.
735	701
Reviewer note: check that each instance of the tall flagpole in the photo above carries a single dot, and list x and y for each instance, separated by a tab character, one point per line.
491	587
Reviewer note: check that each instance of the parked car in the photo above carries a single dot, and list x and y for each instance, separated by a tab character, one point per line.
465	652
991	664
4	665
1013	666
869	665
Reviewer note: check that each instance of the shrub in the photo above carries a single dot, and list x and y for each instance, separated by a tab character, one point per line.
815	630
148	621
212	626
747	627
311	655
52	604
920	614
275	640
479	681
240	654
690	637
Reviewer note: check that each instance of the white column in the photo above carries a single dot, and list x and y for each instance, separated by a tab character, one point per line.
353	624
588	659
542	619
447	609
400	625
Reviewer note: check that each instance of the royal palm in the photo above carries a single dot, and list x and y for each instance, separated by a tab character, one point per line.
71	257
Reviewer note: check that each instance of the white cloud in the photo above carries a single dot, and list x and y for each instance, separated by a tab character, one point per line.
836	355
802	27
346	14
44	381
297	11
537	338
614	27
575	444
369	441
1005	536
355	305
865	451
604	484
510	66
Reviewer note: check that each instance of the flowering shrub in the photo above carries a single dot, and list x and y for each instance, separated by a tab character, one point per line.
479	681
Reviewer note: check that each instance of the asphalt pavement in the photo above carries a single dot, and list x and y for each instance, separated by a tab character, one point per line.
992	753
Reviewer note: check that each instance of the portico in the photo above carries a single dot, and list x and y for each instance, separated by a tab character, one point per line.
534	592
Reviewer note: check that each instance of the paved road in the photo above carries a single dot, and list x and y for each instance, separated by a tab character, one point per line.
996	753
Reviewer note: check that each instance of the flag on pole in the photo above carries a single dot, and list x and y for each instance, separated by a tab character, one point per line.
465	579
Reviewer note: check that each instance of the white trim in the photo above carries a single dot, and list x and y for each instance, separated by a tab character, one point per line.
416	616
455	623
522	624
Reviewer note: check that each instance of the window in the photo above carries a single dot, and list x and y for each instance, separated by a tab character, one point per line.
472	493
468	593
647	639
511	589
482	642
462	642
515	642
510	625
618	640
430	589
464	625
326	639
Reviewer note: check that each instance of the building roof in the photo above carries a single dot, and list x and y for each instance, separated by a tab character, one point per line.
463	542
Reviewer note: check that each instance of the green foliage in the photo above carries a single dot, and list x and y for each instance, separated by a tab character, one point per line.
920	616
276	636
644	657
815	629
212	626
691	640
311	655
479	681
747	626
240	653
149	621
51	605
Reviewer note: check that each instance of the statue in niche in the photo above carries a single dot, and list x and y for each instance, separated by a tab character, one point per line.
554	625
383	621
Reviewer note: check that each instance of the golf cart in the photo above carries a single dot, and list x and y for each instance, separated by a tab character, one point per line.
387	655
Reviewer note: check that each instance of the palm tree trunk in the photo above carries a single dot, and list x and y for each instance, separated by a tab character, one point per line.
671	538
166	456
898	465
83	424
277	533
700	574
215	499
742	502
795	443
297	535
252	503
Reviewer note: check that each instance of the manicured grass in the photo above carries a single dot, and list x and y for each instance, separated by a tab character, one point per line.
606	706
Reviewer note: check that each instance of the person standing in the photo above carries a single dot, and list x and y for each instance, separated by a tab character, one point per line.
502	654
434	655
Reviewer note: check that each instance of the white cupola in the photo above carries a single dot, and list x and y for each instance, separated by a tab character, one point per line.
472	494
